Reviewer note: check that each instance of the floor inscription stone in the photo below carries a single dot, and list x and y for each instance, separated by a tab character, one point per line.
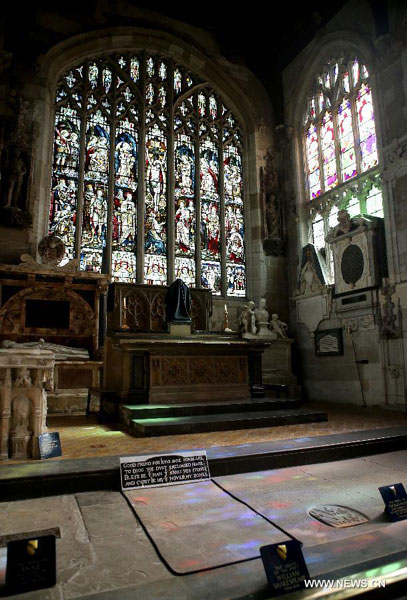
337	516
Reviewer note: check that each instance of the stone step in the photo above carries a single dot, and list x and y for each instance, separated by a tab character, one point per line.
149	411
72	476
224	422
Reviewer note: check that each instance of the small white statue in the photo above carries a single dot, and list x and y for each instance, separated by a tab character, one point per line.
247	319
261	313
278	326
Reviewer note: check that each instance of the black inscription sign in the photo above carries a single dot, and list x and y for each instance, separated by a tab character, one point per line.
49	444
31	565
395	499
285	566
352	264
149	471
335	515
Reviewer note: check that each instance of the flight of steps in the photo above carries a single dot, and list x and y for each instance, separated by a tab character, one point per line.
154	420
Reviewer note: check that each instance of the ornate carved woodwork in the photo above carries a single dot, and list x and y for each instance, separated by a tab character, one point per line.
141	308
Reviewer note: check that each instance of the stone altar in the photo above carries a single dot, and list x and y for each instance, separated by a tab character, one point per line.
161	369
24	375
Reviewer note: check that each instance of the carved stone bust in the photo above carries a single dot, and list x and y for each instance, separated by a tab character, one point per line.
52	250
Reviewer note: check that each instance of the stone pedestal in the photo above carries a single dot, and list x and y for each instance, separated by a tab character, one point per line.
263	331
180	329
23	400
277	363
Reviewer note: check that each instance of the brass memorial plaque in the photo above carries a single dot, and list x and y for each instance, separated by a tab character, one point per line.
337	516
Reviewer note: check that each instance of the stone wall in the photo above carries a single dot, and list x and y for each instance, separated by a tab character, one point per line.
381	380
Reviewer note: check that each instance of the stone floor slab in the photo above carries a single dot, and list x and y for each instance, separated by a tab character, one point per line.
227	530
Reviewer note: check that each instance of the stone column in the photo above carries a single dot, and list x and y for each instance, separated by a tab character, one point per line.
5	411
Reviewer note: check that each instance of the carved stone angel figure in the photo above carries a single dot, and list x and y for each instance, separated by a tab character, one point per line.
247	319
278	326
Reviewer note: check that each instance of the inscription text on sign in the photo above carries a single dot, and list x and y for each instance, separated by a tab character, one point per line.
159	470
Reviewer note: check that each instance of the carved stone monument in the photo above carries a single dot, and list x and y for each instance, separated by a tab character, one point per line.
359	253
24	375
313	295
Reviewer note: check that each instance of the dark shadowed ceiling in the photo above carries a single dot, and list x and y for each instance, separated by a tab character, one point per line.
264	37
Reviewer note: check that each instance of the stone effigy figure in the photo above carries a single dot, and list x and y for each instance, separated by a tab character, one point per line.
178	303
61	352
16	174
278	326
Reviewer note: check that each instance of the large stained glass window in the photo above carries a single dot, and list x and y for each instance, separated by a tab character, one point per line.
341	161
340	137
147	181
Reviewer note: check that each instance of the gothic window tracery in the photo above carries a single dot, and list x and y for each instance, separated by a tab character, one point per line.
340	148
147	180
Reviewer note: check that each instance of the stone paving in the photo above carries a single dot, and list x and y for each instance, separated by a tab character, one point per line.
104	552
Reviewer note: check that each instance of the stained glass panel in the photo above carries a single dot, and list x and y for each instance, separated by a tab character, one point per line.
64	187
374	202
177	81
134	68
232	174
66	142
155	270
236	280
185	270
234	221
156	201
333	217
355	72
185	219
97	148
328	152
95	197
353	206
210	208
346	141
63	216
124	267
94	222
367	133
314	178
318	233
211	276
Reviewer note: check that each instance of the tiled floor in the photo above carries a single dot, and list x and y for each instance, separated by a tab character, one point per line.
83	437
